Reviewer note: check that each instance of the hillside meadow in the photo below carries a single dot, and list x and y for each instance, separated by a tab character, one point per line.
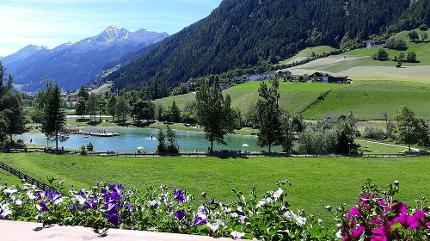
317	182
368	100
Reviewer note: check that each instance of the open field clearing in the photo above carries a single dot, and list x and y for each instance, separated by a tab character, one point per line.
369	100
295	97
372	147
307	53
317	182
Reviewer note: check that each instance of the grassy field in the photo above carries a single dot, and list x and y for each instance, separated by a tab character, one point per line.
6	177
306	53
370	147
295	97
359	65
368	100
316	181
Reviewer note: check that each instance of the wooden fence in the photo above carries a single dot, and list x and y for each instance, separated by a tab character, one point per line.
25	177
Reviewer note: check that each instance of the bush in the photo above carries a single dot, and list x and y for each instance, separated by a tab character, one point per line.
424	27
374	133
316	142
382	55
396	44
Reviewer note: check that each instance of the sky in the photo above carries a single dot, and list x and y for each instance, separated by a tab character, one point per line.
53	22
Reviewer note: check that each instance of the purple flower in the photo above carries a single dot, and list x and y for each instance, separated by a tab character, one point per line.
114	218
179	195
199	220
118	188
354	212
42	207
91	203
180	214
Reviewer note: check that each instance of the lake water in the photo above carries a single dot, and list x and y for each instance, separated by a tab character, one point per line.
132	138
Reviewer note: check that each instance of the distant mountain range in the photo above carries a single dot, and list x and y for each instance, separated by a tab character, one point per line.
244	33
71	65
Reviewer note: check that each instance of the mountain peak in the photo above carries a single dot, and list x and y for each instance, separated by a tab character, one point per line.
112	33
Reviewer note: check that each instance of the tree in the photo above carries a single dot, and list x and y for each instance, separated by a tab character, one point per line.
406	126
214	112
171	138
382	55
92	106
53	119
412	57
175	113
122	109
81	107
424	36
413	36
161	148
144	110
287	133
83	93
424	27
269	113
101	106
111	107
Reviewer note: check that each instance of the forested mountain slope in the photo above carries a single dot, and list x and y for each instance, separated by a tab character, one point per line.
245	32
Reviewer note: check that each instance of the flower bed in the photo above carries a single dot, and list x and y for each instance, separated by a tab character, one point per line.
376	216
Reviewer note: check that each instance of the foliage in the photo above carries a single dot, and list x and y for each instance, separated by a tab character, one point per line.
374	133
412	57
175	113
12	117
122	109
413	36
53	118
287	133
382	55
377	215
165	210
269	115
143	110
81	107
396	44
214	112
161	147
410	129
171	138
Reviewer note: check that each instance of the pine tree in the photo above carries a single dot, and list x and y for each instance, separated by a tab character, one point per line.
161	148
53	117
175	112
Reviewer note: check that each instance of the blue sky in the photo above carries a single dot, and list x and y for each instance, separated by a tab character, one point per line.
53	22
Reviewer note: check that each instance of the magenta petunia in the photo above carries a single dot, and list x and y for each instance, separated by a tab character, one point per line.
357	232
355	211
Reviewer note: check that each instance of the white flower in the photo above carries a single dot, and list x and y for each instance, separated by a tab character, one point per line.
297	218
215	226
242	219
264	202
18	202
278	194
240	208
10	191
154	203
30	195
4	211
58	200
237	235
234	215
339	234
80	199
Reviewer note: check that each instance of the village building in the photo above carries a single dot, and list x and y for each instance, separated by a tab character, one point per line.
327	78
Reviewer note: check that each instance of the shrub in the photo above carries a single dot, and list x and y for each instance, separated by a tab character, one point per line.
316	142
424	27
396	44
382	55
374	133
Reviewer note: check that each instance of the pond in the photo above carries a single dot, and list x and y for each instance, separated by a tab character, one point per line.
130	139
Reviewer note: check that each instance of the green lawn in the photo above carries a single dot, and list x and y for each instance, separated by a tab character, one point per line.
316	181
8	178
295	97
368	100
370	147
306	53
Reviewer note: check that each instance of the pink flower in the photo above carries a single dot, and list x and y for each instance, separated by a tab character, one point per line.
379	234
357	232
354	212
403	219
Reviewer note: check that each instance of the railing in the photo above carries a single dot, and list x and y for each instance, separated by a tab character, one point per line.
25	177
205	154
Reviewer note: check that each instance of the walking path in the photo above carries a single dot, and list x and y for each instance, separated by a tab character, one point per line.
395	145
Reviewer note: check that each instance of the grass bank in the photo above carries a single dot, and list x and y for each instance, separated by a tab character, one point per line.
317	182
